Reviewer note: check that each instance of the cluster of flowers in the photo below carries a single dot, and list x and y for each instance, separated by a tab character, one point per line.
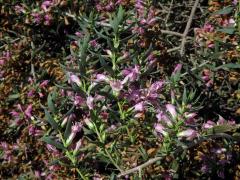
38	15
106	101
221	27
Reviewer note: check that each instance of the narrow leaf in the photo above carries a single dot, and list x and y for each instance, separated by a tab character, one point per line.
224	11
68	129
48	140
50	103
50	119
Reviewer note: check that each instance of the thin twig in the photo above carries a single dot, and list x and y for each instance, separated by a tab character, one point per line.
188	26
114	163
169	12
109	25
173	49
171	33
150	161
178	150
13	41
193	69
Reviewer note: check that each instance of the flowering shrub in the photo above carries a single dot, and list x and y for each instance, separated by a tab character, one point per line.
98	89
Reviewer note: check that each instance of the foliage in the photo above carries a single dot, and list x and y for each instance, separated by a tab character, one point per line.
98	89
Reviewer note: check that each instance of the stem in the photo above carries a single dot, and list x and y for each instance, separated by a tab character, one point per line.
98	134
151	161
114	163
140	173
81	175
193	69
188	27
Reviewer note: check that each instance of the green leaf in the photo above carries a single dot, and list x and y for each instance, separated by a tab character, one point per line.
221	129
70	111
228	30
114	24
68	129
100	34
228	66
49	140
87	131
120	14
50	103
175	166
124	40
13	97
184	98
50	119
62	87
224	11
143	153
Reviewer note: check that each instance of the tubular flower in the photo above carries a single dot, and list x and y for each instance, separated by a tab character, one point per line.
131	74
75	79
90	100
28	111
163	118
189	134
139	107
160	129
75	129
172	110
102	78
177	69
116	85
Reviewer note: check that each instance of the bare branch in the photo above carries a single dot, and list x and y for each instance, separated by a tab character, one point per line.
188	26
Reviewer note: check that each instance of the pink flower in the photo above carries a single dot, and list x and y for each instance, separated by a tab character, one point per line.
2	62
36	17
78	34
172	110
177	69
7	55
41	95
189	134
90	100
67	118
116	85
51	148
119	2
31	93
102	77
234	2
47	19
75	79
94	43
155	88
19	107
19	9
139	107
163	118
208	28
46	5
231	22
190	117
78	146
160	129
15	114
131	74
109	7
77	127
78	100
33	131
44	83
28	111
